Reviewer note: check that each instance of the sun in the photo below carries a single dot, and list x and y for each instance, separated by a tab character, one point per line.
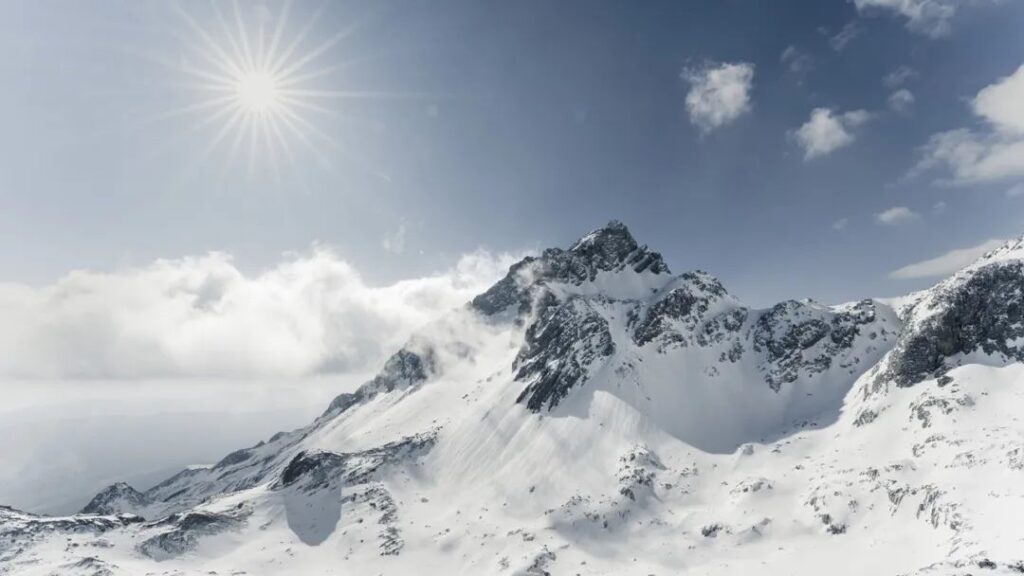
261	91
258	92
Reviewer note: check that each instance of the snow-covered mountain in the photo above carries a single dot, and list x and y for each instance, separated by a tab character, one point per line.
593	413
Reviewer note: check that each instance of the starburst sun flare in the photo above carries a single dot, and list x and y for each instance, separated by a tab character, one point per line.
255	84
257	91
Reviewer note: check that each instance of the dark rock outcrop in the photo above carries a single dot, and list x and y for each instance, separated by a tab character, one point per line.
561	346
982	312
799	338
116	499
676	318
403	369
607	249
316	468
184	532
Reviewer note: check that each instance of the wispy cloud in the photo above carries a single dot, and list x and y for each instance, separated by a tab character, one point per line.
850	31
901	100
928	17
899	77
394	242
797	62
946	264
719	93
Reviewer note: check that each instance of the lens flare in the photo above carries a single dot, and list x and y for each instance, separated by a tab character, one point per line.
257	84
258	92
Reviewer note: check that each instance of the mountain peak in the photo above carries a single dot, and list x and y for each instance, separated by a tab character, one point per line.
977	312
608	249
117	498
1011	250
614	234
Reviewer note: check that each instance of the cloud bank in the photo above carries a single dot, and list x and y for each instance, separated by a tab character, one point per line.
946	264
719	93
201	316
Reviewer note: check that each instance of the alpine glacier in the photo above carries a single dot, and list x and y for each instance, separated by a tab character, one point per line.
593	413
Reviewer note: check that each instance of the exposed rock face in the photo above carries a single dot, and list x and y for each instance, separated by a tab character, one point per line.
512	291
404	369
800	338
569	335
183	532
980	311
561	347
677	316
117	498
313	469
608	249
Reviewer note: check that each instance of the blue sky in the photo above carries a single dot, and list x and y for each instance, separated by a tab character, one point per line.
512	126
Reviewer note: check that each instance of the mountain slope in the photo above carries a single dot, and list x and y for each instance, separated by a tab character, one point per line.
593	413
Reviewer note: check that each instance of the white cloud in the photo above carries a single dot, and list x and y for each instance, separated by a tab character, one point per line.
928	17
394	242
947	264
201	316
971	157
981	155
719	93
1002	103
896	215
1015	191
841	224
851	30
939	207
901	100
827	131
899	77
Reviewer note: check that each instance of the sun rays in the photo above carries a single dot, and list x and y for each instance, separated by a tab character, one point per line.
258	85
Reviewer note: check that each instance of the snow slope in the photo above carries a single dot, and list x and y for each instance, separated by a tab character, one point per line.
592	413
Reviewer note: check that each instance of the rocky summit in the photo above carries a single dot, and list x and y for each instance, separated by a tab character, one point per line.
594	413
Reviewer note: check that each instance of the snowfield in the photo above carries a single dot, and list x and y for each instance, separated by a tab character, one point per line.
592	413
